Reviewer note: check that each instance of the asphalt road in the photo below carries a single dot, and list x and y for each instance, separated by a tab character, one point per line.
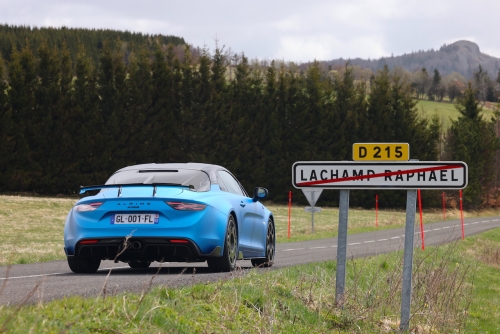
30	283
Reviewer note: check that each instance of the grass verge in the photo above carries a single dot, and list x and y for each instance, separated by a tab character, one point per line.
31	228
455	290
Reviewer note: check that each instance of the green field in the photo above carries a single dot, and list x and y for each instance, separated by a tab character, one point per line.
31	228
456	289
445	110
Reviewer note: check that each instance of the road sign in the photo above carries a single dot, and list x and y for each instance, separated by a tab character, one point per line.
381	152
312	195
379	175
312	209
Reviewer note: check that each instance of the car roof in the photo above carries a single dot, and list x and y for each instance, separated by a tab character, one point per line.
207	168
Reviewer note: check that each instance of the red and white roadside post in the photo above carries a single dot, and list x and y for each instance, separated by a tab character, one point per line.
444	205
422	236
384	169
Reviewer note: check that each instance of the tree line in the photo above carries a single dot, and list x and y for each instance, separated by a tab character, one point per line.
16	37
68	123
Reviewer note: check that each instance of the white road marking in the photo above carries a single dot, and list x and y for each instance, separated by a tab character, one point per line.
485	221
382	239
446	227
317	247
466	224
292	249
436	229
354	243
495	220
333	246
368	241
425	231
53	274
474	223
395	237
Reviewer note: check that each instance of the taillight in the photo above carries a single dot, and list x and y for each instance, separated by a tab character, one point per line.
89	242
186	206
179	241
87	206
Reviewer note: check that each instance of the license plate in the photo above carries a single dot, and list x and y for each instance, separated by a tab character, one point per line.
135	218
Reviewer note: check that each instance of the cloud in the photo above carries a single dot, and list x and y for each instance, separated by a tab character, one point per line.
327	47
289	29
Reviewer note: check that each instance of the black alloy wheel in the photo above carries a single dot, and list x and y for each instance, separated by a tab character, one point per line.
83	264
227	262
270	248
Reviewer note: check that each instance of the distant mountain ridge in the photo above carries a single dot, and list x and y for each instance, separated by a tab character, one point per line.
462	56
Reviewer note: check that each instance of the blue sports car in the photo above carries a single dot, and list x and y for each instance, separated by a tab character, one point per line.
169	213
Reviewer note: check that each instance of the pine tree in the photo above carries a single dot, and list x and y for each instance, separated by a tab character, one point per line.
115	122
138	97
473	140
8	134
164	137
44	138
86	121
435	89
23	82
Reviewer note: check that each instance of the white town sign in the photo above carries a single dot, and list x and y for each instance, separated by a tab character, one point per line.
380	175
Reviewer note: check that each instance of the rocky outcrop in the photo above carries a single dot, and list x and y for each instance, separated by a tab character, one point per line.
462	56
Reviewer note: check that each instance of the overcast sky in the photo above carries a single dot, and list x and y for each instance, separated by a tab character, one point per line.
291	30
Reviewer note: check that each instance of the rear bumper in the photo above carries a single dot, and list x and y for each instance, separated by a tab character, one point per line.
204	230
144	249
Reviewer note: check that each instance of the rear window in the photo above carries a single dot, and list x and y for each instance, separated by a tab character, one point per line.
184	177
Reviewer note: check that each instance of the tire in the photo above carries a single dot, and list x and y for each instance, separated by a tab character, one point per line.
270	248
83	265
139	264
227	262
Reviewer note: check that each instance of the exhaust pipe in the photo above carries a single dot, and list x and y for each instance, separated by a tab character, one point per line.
136	245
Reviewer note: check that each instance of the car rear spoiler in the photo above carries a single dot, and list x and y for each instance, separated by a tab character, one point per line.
84	189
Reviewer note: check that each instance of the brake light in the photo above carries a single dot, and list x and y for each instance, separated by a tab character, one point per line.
89	242
186	206
87	206
179	241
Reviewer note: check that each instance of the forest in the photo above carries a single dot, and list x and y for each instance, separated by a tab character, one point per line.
68	120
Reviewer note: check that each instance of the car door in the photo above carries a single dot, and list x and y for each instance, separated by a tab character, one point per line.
260	227
245	211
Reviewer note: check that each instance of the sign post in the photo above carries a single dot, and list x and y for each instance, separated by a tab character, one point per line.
404	175
312	196
408	259
342	246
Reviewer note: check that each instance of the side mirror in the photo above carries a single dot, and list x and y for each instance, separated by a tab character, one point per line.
259	193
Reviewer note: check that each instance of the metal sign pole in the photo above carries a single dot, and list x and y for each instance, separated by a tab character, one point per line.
408	259
312	213
342	246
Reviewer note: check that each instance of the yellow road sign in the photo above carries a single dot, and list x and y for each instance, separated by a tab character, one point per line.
381	152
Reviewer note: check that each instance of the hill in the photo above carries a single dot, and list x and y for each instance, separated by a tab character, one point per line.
92	39
463	57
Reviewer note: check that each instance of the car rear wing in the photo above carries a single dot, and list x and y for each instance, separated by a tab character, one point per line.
84	189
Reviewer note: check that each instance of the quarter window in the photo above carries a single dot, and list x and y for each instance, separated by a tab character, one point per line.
230	182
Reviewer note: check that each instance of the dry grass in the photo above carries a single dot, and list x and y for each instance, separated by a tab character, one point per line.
487	252
31	228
